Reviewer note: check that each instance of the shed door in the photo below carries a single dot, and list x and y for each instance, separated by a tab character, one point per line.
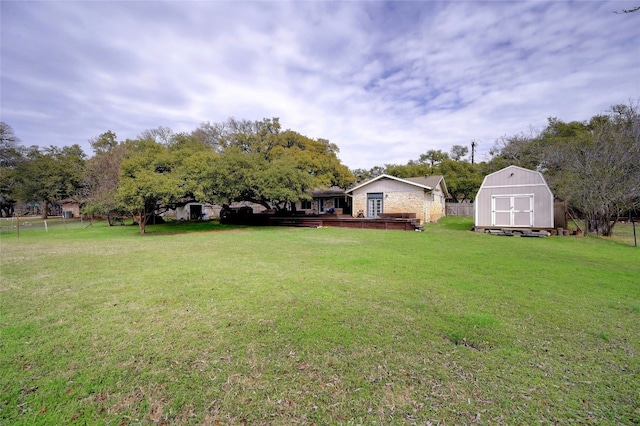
195	212
512	210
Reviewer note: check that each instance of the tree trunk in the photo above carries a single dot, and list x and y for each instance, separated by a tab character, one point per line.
45	209
142	222
607	226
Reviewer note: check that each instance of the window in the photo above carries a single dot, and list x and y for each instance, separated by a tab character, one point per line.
305	205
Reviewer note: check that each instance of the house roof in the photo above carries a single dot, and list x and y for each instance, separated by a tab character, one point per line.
334	191
425	182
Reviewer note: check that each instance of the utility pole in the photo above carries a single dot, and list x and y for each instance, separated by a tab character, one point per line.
473	150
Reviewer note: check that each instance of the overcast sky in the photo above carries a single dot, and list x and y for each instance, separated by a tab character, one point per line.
385	81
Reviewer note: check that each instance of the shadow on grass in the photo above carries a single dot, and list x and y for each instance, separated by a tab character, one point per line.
463	223
185	227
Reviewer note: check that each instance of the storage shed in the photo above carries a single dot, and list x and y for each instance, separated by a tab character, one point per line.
514	197
194	211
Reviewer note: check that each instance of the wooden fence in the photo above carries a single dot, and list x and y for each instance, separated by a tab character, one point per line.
459	209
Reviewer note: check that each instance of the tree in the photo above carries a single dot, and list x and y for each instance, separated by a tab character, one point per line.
259	162
411	169
458	152
433	157
102	176
161	135
159	170
11	155
50	174
234	132
147	180
195	163
597	168
521	150
362	175
463	179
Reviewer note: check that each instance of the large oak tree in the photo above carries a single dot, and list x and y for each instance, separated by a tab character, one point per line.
259	162
147	180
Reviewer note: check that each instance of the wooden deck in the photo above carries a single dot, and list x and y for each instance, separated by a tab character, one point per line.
318	221
404	224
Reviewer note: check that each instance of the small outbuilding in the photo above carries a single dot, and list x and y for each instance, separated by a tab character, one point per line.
70	208
514	197
194	211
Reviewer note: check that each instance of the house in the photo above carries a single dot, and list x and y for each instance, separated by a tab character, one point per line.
330	200
514	197
388	195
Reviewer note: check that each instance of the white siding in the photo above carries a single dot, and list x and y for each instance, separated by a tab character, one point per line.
506	184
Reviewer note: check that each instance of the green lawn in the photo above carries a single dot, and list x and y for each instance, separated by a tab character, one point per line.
208	324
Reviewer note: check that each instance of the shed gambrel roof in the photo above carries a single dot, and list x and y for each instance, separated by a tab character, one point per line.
514	167
538	177
426	182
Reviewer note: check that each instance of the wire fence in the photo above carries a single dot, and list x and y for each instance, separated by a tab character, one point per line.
624	232
29	225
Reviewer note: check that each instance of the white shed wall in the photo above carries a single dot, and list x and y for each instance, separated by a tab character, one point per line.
515	181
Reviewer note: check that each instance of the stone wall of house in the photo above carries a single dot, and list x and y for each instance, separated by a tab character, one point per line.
394	202
405	202
359	204
437	207
428	207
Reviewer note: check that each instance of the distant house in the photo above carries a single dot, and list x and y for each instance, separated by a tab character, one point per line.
514	197
387	195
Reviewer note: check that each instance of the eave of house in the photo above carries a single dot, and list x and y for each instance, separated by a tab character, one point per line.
328	193
440	181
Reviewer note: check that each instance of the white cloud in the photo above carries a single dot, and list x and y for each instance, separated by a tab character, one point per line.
385	81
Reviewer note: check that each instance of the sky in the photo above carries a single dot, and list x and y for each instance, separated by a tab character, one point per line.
384	81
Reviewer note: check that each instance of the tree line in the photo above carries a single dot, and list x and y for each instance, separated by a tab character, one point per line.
593	165
237	160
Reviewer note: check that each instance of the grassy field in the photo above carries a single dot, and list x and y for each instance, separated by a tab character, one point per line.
207	324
